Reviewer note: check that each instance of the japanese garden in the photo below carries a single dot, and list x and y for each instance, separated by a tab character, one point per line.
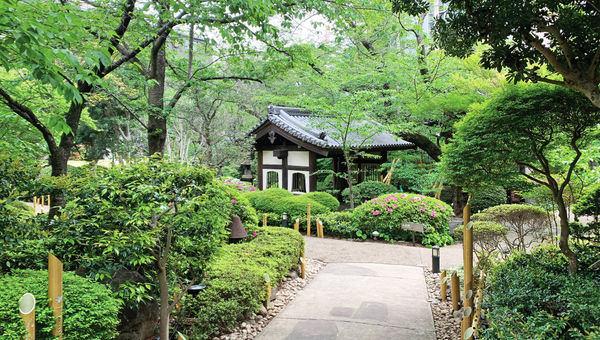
309	169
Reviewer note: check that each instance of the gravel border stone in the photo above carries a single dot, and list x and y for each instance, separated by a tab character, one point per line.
284	294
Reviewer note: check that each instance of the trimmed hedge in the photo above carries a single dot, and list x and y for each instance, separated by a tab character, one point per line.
532	296
278	201
325	199
90	310
385	215
235	280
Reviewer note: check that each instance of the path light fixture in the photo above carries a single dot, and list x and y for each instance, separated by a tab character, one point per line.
238	233
193	290
284	220
375	234
435	259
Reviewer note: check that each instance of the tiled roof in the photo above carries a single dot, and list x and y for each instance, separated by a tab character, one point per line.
312	129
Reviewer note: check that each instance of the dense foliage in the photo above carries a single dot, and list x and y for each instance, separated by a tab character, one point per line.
90	310
488	198
276	201
532	296
385	215
368	190
235	280
589	203
487	237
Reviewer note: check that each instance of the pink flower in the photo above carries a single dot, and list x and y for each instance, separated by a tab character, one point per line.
234	201
395	205
422	208
443	208
254	233
366	201
170	204
433	213
389	209
376	212
383	205
404	195
252	189
240	187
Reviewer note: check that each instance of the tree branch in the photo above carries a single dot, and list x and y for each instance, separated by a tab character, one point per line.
572	164
546	52
562	42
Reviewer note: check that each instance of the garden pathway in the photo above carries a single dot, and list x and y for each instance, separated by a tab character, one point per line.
368	290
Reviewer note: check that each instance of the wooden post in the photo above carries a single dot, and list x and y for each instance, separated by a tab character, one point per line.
455	290
55	292
27	311
319	228
444	285
264	220
48	201
34	205
308	220
42	204
268	298
297	225
468	263
477	314
303	266
465	324
180	336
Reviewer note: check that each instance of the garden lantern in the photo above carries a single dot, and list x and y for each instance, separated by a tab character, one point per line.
193	290
238	232
435	259
375	234
284	220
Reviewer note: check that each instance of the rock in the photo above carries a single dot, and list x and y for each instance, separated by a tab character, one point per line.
273	294
263	310
293	275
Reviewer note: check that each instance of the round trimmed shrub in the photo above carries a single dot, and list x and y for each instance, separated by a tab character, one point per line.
385	215
90	310
368	190
488	198
278	201
325	199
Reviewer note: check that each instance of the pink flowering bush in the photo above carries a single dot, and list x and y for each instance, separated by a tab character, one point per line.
386	213
237	184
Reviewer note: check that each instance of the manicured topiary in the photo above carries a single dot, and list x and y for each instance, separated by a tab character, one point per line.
277	201
90	310
325	199
367	190
385	215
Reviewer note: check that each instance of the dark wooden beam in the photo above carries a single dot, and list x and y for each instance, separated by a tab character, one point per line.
312	179
260	170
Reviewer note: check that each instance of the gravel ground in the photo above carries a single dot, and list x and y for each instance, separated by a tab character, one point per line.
286	292
447	326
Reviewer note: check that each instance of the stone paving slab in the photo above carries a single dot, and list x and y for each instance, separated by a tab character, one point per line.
358	301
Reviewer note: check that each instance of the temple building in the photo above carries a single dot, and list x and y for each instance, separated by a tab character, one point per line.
290	140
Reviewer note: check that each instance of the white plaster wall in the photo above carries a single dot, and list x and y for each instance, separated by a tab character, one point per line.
264	179
306	180
269	159
298	158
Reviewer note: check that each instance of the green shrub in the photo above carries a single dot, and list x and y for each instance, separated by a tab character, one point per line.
235	280
385	215
488	198
90	311
367	190
532	296
325	199
487	236
278	201
589	203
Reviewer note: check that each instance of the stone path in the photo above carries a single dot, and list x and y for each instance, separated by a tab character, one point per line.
368	290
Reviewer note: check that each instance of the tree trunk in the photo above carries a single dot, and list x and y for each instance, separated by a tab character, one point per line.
164	301
157	122
423	143
564	233
458	201
349	180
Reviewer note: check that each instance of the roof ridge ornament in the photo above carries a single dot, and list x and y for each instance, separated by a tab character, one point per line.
272	137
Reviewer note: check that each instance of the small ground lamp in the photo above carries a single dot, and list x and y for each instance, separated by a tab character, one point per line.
238	232
435	259
375	234
284	220
193	290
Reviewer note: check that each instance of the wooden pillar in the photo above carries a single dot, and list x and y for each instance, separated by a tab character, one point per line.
312	169
264	220
55	292
308	220
35	205
443	287
303	266
259	178
455	290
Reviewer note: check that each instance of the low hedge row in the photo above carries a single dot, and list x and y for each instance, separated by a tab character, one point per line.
90	310
278	201
235	280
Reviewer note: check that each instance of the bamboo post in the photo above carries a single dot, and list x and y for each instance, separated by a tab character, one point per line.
297	225
27	311
264	220
34	205
455	290
42	204
465	325
319	228
303	266
55	292
477	315
48	201
308	220
444	285
180	336
268	298
468	261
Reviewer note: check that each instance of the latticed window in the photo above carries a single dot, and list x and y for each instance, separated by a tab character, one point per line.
298	182
371	172
272	179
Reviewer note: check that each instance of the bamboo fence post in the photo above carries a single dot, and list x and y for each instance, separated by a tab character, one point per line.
297	225
264	220
42	204
27	311
180	336
479	296
319	228
444	285
268	298
34	205
303	266
455	287
55	292
308	219
48	201
468	264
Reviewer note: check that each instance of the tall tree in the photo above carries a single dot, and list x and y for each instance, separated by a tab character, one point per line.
556	42
536	128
